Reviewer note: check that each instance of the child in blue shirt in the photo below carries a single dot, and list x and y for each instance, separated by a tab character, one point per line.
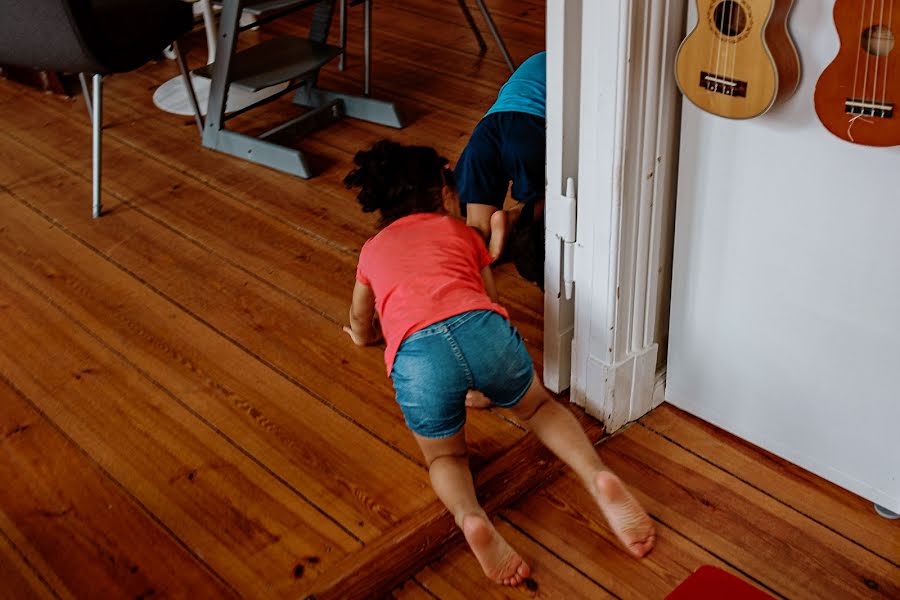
507	146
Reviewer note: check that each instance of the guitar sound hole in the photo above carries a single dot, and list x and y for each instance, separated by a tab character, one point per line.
730	18
878	40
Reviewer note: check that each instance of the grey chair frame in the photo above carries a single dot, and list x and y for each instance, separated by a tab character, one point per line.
93	98
285	59
367	35
67	36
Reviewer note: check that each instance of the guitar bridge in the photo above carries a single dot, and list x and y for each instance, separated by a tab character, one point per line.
869	108
723	85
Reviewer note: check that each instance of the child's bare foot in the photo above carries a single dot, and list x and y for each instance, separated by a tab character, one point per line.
625	515
475	399
499	561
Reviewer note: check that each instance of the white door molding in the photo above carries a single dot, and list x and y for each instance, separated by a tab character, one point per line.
626	170
563	110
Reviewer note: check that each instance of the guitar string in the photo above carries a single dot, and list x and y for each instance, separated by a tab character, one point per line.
734	42
723	36
868	55
712	47
718	45
862	20
730	45
887	58
872	30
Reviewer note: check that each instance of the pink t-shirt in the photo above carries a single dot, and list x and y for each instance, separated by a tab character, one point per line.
423	268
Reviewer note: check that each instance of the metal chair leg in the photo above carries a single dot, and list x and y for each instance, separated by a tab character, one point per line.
482	46
97	118
87	95
367	47
497	37
189	85
343	19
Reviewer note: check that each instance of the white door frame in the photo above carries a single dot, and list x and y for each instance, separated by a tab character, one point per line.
563	27
627	123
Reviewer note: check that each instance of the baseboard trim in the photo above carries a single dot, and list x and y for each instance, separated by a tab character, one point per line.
411	545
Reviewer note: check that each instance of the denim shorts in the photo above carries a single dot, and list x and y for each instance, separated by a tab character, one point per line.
436	366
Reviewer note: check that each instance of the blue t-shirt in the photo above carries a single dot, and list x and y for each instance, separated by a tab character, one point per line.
526	90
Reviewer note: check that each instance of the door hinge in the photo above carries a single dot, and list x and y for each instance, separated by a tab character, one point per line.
566	233
562	225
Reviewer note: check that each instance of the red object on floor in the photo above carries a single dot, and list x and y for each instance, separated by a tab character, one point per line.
712	583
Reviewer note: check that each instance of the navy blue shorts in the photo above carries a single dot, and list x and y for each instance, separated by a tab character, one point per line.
505	147
436	366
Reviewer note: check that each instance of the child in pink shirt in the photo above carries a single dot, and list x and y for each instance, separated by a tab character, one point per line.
425	282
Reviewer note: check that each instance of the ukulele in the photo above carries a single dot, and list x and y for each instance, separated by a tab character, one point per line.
856	96
739	60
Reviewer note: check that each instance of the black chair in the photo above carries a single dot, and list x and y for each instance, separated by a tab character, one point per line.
91	36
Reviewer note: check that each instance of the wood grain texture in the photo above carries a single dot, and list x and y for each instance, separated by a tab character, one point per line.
856	74
779	548
808	494
369	487
18	580
256	388
241	307
762	55
412	590
564	518
784	52
245	524
457	575
222	401
423	537
51	494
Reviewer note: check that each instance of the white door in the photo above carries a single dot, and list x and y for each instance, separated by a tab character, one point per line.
563	115
785	312
611	127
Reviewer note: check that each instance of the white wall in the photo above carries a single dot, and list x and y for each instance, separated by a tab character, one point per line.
785	324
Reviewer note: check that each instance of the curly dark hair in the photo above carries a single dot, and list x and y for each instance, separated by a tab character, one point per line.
399	180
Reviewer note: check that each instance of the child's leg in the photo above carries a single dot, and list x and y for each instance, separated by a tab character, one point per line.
558	429
448	467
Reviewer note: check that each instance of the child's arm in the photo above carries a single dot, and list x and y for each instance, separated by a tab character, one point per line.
488	278
363	329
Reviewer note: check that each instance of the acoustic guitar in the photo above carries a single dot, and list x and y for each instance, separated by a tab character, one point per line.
856	96
739	60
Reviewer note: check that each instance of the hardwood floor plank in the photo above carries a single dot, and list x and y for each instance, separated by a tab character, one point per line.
423	536
458	576
564	518
776	546
412	590
18	581
525	24
368	487
50	495
241	521
26	552
833	507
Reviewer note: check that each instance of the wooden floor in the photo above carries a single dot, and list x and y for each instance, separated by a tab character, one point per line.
182	416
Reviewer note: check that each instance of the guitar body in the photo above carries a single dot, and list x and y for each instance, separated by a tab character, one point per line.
739	60
858	95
